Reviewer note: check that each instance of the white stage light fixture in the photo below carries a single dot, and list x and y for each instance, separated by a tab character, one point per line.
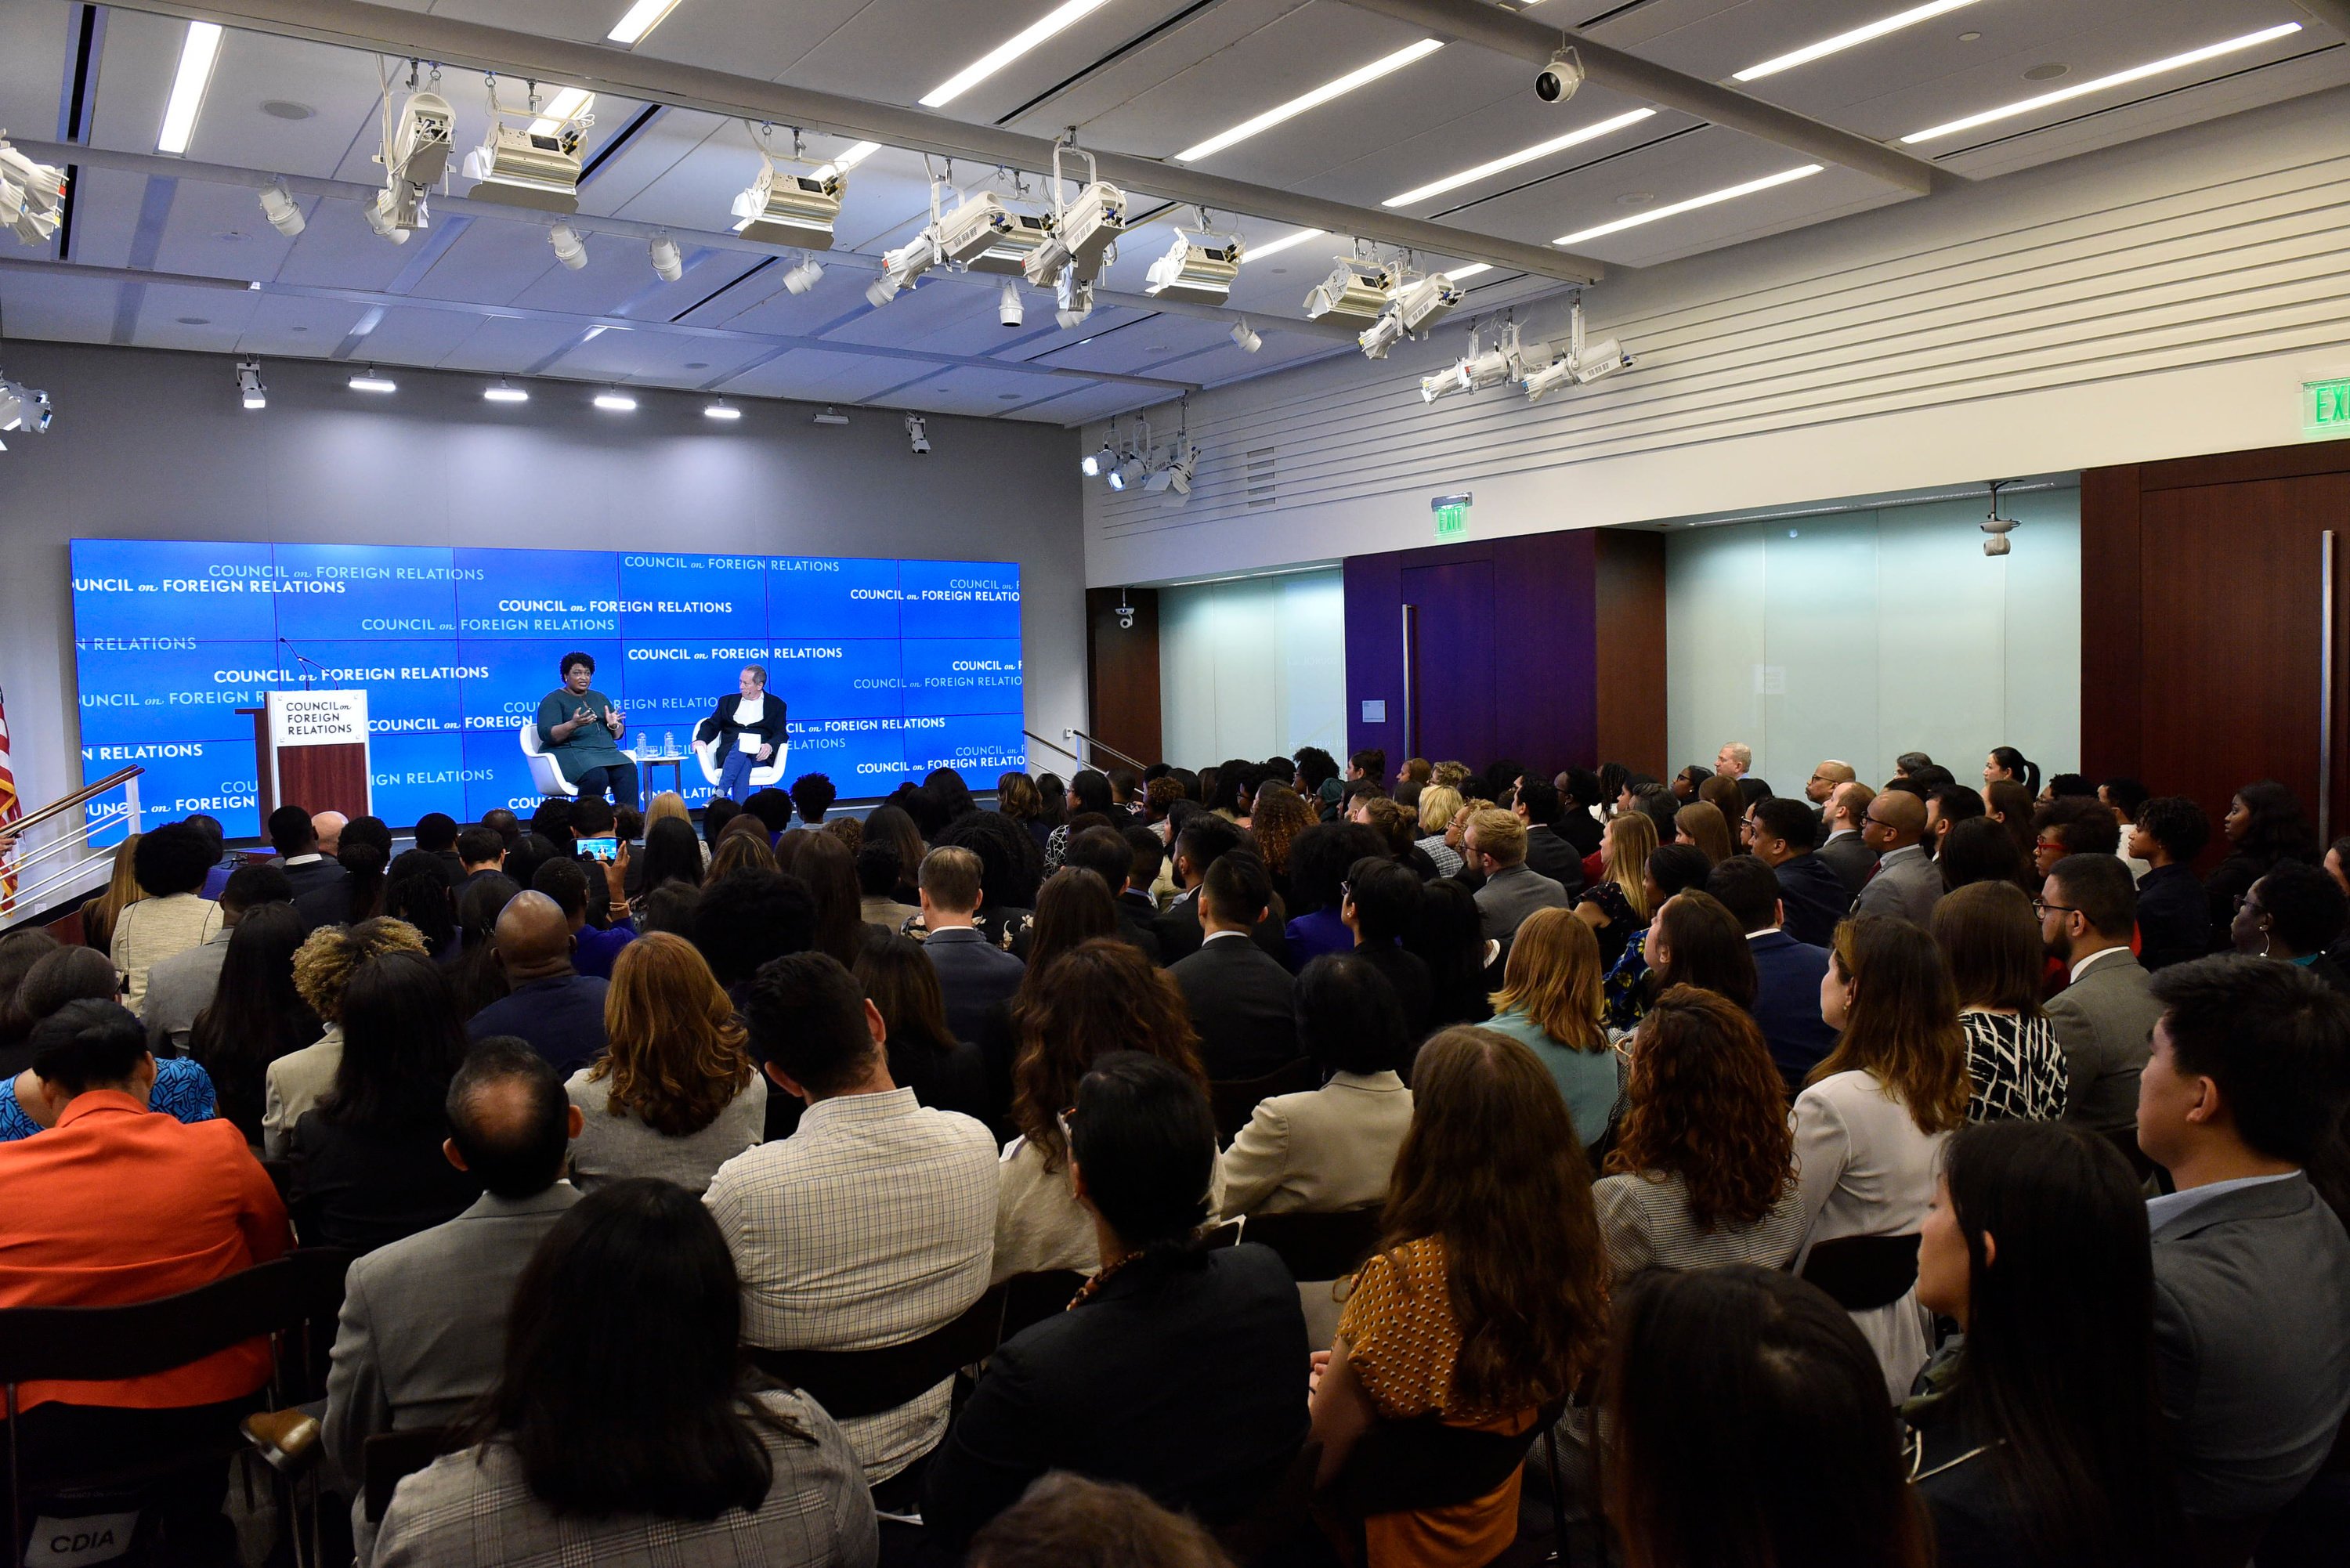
1601	360
569	248
985	234
278	206
915	437
721	409
1008	305
505	392
902	267
1558	80
1356	291
370	380
669	262
1073	301
248	384
1245	337
32	195
1199	274
804	277
534	164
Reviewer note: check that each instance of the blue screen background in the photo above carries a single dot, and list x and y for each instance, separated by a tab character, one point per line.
888	669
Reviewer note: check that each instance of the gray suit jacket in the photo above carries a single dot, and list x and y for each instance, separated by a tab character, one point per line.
1850	859
1908	883
423	1327
1509	895
2252	1344
2104	1022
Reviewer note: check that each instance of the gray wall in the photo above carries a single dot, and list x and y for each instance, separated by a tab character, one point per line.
155	445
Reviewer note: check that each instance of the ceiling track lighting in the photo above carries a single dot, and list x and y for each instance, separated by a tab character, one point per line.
785	207
1415	305
1356	291
32	196
831	416
1096	464
1008	309
285	214
570	249
372	380
721	409
505	392
1082	239
1245	338
613	401
1580	363
1479	368
534	164
804	277
988	234
415	155
24	408
1556	82
248	384
668	261
916	437
1197	272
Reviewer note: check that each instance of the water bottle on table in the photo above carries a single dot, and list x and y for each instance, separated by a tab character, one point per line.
668	743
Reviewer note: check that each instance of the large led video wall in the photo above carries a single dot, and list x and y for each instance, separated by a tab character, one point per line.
890	669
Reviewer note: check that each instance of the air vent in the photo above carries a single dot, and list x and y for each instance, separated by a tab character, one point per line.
1260	477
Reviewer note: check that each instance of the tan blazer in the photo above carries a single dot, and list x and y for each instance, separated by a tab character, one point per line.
1328	1148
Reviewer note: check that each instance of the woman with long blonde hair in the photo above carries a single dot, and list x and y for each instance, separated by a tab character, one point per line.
1551	1002
675	1095
99	912
1617	905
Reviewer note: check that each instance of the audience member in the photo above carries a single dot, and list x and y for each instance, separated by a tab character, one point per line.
1750	1426
2252	1271
363	856
675	1454
1104	852
1996	954
476	978
1702	1173
169	917
593	951
975	975
1073	906
294	836
743	846
1947	806
1238	999
1379	902
199	1209
1009	876
416	889
1321	859
1548	854
323	966
1787	972
2295	912
869	1225
1779	833
1871	1124
1103	996
1451	940
1063	1521
2174	917
2038	1431
1201	1345
878	876
1550	1002
1906	883
2103	1018
182	985
1821	787
2264	825
423	1319
368	1166
254	1015
2010	805
20	950
548	1003
1980	850
1616	904
945	1074
2071	825
1198	844
671	853
1495	845
829	870
812	795
1485	1302
1577	822
1695	940
675	1095
1439	804
1846	847
182	1090
1279	816
1672	869
1702	824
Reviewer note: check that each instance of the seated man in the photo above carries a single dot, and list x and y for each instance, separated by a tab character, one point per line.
2251	1269
1548	853
975	974
1787	972
294	836
1238	997
72	1235
592	950
873	1223
1779	834
2104	1017
1176	1370
424	1325
1105	852
554	1007
1494	846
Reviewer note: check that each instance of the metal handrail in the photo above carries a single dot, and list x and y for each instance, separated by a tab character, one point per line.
81	797
1102	746
1050	746
33	891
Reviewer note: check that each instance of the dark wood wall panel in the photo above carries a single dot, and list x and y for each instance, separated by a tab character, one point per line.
1629	682
1122	671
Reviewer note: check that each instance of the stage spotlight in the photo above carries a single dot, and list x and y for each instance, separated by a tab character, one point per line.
1245	337
669	265
615	401
783	209
32	195
1008	305
372	380
721	409
505	392
569	248
248	381
23	408
1082	232
902	267
1551	378
1074	301
915	436
804	277
529	166
1558	79
1356	290
1178	477
985	234
1094	464
1201	274
278	206
1601	360
397	208
1131	469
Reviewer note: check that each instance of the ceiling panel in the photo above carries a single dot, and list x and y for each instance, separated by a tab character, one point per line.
1205	32
206	320
134	77
63	310
964	390
821	375
218	230
506	344
288	325
321	105
413	335
35	45
337	250
1148	340
661	357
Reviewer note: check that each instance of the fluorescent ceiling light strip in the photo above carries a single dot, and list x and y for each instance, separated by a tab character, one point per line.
849	159
1457	273
1784	177
1361	76
1258	253
566	104
1011	49
1842	41
1540	149
194	75
642	18
2119	78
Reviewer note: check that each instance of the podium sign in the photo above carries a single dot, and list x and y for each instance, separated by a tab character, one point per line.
313	749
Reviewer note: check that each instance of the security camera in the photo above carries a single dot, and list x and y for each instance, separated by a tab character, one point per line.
1124	613
1998	527
1559	78
914	436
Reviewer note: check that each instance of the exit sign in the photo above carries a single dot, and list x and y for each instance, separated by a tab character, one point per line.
1453	510
2326	405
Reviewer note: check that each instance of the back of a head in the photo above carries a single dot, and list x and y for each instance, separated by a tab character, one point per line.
1787	818
1065	1521
1955	802
566	882
2178	823
1074	906
553	821
1540	798
2100	887
1499	835
1751	791
749	917
290	832
806	1016
250	887
592	818
1100	995
1903	1022
1705	1102
879	869
509	1117
1349	1019
670	908
2273	1037
812	794
1748	888
1678	867
2304	906
1554	976
1145	1140
951	878
1931	777
1991	940
1706	829
483	903
403	1042
1707	946
436	831
19	951
1147	854
503	822
91	1044
1752	1428
773	808
173	858
1010	864
716	812
1205	837
1981	850
1238	888
1104	852
70	974
1387	898
2082	825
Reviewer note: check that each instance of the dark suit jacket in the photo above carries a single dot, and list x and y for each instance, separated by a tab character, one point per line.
1415	986
1553	857
1787	1003
1581	829
2174	920
561	1017
1240	1003
1180	934
360	1188
722	728
1850	859
2252	1344
975	974
1815	898
1138	921
1182	1382
317	874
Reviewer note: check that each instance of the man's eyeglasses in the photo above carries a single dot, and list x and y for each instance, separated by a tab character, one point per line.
2043	906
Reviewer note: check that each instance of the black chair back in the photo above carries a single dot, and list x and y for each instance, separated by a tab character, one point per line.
100	1343
1318	1246
1030	1299
850	1383
1399	1467
1268	1533
1235	1100
1864	1273
389	1457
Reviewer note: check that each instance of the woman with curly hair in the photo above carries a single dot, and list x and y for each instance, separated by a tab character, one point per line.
2264	825
675	1095
323	966
1703	1172
1010	871
1280	816
1101	995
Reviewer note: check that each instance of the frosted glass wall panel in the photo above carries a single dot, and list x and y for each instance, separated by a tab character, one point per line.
1713	639
1820	621
1252	668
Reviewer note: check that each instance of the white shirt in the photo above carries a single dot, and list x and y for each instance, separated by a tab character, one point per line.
1212	936
2082	967
750	709
871	1225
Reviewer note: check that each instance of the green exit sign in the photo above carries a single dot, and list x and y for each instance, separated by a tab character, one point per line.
2326	405
1453	510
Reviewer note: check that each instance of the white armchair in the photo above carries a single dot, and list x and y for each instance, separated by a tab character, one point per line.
544	774
763	775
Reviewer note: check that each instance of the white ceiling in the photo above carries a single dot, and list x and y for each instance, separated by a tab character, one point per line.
481	291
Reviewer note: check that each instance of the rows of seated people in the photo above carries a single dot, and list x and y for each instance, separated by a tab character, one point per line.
1927	1173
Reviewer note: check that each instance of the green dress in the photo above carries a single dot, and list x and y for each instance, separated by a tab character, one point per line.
590	745
1590	1080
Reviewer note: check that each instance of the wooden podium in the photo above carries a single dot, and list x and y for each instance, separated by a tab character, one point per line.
310	750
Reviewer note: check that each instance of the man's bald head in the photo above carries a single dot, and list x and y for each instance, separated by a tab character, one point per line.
1902	816
533	938
329	825
510	1122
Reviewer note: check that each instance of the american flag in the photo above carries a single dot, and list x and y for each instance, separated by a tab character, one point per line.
10	808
